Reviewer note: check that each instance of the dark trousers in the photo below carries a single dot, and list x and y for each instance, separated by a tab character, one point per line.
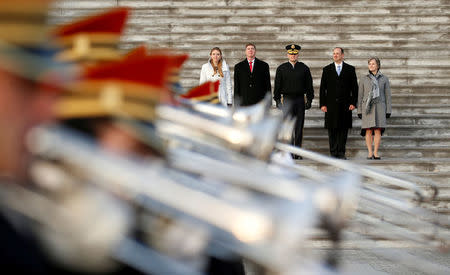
225	267
337	138
295	107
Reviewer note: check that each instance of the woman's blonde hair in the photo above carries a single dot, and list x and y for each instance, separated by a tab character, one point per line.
219	64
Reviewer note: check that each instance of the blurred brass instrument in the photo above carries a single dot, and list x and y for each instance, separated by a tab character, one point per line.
393	209
262	227
218	192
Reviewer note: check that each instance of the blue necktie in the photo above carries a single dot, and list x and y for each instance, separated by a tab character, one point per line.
339	69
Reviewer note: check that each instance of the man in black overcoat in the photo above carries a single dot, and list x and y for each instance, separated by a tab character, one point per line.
251	78
338	98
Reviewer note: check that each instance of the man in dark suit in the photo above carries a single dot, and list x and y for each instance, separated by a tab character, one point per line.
251	78
293	81
338	97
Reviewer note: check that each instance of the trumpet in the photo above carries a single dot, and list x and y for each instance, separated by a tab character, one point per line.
237	221
256	140
391	210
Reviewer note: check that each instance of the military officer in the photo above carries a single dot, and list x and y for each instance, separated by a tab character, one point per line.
292	82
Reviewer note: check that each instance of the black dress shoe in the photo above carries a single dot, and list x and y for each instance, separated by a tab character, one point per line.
370	157
374	157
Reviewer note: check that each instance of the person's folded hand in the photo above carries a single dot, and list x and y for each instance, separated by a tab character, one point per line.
308	105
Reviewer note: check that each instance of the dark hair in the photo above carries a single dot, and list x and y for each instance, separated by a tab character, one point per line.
250	44
342	50
377	60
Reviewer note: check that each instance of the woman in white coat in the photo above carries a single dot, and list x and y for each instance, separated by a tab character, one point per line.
374	106
217	69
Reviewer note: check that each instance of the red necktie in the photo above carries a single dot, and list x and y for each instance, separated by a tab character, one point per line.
251	67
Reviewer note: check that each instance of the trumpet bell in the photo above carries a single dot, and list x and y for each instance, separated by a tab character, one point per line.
254	113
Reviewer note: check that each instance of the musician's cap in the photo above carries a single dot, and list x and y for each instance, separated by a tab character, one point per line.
23	22
93	38
177	60
25	49
128	88
293	49
138	52
206	92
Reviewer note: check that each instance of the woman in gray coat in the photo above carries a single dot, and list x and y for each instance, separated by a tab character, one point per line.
374	106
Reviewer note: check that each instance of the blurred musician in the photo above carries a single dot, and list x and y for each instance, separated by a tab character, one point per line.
28	83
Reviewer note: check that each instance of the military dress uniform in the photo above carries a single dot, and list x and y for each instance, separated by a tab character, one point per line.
293	82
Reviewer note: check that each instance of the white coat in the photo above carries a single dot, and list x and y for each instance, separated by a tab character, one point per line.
225	89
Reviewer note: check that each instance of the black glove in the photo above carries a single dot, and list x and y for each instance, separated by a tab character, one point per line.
308	104
360	116
278	103
388	115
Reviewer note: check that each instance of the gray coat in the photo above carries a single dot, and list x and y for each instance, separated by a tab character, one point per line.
382	105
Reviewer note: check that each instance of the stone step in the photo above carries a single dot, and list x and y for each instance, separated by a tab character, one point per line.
440	178
424	174
145	4
283	15
405	109
189	83
399	130
320	61
199	26
315	117
279	22
413	89
387	141
280	12
258	37
311	50
190	79
420	99
416	165
426	184
317	58
359	151
396	79
308	7
418	109
268	45
429	90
